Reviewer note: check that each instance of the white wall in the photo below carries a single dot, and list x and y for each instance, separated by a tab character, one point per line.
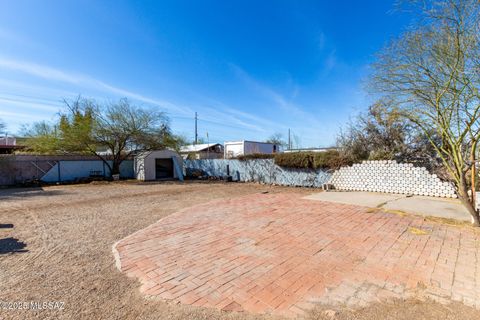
391	177
233	149
138	168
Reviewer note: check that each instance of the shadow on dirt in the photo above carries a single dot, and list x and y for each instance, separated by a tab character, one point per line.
11	245
17	193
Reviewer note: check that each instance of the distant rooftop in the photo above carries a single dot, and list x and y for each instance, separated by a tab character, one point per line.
8	145
243	141
8	141
198	147
310	149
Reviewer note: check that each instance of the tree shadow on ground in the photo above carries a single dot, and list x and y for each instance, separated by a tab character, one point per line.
17	193
11	245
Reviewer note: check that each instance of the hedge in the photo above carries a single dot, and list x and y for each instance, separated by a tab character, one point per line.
255	156
303	160
330	159
326	160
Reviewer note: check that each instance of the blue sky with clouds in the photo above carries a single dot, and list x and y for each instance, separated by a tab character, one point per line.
249	68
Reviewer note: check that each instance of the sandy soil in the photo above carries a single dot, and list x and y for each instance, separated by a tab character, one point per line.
69	232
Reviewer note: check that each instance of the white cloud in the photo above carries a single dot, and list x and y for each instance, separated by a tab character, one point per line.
303	123
28	104
11	87
259	120
39	97
330	61
32	102
19	115
232	114
321	41
81	80
291	108
41	71
222	117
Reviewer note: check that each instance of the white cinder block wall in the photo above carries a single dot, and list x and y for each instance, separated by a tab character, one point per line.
391	177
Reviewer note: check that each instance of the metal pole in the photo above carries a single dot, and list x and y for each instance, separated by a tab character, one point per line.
289	141
59	175
196	132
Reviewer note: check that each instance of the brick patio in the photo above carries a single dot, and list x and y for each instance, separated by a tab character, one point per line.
281	254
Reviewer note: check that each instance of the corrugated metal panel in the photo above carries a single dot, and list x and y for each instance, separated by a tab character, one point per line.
74	170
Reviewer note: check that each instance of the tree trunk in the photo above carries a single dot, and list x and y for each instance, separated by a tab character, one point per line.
105	162
469	204
473	176
116	166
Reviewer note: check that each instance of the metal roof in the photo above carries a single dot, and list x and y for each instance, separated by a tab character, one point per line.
198	147
243	141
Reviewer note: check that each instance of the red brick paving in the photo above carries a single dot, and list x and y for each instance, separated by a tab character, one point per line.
281	254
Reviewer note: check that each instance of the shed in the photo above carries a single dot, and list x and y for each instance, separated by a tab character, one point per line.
158	165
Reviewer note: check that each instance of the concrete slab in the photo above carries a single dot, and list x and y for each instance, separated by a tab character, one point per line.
429	206
359	198
425	206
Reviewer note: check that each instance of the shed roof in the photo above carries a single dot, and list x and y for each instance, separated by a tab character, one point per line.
145	154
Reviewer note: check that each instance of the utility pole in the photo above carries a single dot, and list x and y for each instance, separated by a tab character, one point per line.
208	146
196	132
289	140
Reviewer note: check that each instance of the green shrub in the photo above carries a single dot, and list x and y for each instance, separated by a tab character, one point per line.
191	156
321	160
381	155
255	156
331	159
303	160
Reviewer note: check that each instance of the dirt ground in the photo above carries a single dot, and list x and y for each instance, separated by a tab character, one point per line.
60	250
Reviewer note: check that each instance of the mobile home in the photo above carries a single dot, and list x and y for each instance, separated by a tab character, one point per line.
234	149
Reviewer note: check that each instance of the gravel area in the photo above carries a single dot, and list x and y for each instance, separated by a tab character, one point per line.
59	250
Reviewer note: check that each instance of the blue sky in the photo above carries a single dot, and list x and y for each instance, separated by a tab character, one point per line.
249	68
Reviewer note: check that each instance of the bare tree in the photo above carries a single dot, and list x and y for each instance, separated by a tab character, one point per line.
277	139
432	74
112	132
296	141
42	137
382	133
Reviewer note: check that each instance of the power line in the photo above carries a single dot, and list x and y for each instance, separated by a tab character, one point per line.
200	120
